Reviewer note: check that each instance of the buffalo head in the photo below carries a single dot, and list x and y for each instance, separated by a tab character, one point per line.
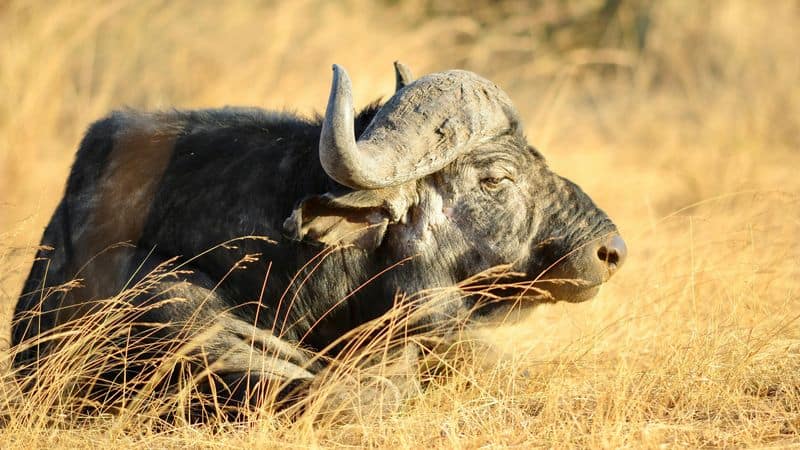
444	174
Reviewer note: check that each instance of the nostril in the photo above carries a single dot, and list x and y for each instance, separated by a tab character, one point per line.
609	255
613	253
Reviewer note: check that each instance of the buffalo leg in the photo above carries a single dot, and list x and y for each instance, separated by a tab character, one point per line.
234	364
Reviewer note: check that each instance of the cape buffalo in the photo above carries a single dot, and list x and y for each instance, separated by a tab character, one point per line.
283	234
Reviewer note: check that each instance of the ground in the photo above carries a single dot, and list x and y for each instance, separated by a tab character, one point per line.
681	119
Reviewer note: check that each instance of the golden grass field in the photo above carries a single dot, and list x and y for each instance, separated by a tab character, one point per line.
680	118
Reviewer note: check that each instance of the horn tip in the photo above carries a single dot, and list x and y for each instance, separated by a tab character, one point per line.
339	70
402	74
400	67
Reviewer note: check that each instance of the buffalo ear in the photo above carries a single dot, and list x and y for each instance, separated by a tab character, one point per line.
359	218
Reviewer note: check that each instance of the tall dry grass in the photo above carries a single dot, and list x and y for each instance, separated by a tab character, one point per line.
680	118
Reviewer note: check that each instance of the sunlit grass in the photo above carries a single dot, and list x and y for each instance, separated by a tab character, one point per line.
690	141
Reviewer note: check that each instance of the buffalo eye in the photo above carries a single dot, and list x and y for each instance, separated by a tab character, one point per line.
494	183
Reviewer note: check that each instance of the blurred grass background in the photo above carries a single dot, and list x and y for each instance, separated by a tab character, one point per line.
680	118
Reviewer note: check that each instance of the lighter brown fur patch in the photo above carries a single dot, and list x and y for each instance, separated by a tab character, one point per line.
120	206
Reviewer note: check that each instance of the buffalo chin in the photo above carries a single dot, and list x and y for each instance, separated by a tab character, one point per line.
515	307
510	304
569	293
518	292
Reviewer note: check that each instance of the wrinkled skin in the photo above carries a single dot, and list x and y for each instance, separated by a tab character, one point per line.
174	185
501	204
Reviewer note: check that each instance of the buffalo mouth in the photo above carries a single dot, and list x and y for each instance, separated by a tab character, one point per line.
577	276
569	290
574	278
510	300
524	291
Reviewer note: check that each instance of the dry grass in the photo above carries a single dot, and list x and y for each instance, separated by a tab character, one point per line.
688	135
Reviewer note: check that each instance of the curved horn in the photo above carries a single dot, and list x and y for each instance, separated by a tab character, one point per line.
418	131
402	76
